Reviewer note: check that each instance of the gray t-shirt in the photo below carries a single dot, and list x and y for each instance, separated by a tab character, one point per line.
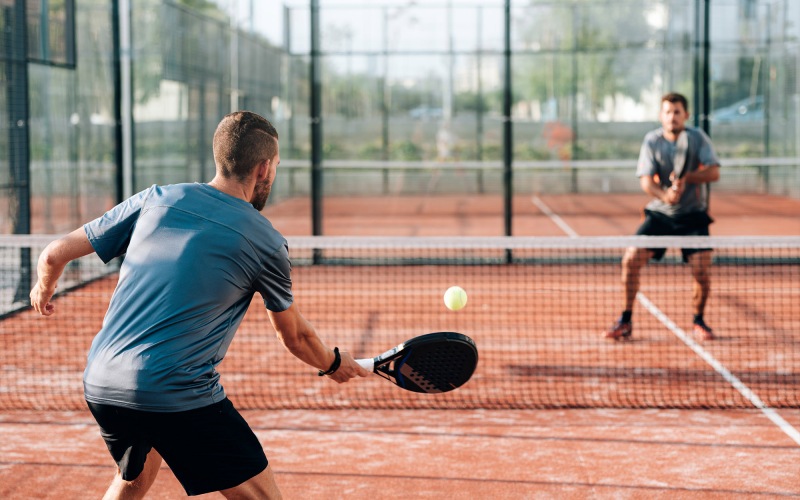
194	257
655	158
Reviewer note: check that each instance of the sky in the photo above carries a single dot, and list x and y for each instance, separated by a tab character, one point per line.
262	16
266	17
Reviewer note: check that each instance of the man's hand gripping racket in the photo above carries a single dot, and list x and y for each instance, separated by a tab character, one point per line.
432	363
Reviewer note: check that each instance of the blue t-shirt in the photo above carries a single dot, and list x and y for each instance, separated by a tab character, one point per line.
194	257
655	158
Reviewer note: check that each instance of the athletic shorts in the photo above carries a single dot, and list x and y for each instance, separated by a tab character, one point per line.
658	224
208	449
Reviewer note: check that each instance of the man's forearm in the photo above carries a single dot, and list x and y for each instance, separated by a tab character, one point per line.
702	175
300	338
652	188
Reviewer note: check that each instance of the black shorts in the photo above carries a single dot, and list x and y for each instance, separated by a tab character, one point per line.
658	224
208	449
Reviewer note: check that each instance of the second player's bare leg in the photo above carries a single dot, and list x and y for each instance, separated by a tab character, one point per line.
632	263
121	489
260	486
701	272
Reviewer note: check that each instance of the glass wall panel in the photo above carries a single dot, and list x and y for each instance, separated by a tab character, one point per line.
71	132
190	68
412	100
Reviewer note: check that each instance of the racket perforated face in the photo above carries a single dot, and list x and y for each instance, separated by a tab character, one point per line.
437	362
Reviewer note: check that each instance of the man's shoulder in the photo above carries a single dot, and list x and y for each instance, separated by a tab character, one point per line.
654	135
184	187
170	190
699	133
263	235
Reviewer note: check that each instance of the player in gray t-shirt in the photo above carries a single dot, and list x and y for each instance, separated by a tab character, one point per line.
195	255
676	163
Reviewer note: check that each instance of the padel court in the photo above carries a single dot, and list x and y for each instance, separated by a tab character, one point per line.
553	409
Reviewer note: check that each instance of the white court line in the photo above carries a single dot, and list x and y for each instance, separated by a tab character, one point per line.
732	379
558	221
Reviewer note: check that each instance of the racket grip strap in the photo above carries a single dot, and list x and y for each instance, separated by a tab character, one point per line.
335	365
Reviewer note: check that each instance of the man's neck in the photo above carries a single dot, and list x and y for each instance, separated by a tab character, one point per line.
672	136
231	187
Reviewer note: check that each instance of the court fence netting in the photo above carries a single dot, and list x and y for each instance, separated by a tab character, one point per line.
536	309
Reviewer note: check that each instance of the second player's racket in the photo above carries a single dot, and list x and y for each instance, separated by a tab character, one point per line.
679	158
432	363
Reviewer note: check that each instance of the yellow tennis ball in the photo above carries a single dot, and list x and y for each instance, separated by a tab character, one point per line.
455	298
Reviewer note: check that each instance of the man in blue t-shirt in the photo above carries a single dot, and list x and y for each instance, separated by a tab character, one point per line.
195	254
679	208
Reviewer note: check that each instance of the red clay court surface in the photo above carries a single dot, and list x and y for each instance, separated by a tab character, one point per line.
553	453
482	454
587	214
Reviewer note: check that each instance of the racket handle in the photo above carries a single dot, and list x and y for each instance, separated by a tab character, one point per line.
367	364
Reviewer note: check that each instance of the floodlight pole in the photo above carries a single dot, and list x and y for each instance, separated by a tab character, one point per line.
16	71
316	123
508	138
706	66
768	78
123	97
702	71
18	99
479	92
290	96
696	66
479	98
385	90
234	55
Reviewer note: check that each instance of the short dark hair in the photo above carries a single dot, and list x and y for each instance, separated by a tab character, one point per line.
674	98
243	140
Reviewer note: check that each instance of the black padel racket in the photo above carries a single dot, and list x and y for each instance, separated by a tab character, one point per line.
679	157
432	363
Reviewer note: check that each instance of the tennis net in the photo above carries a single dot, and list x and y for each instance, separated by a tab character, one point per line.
537	308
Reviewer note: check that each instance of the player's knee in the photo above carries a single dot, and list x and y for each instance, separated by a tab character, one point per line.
260	486
702	274
703	279
634	258
134	489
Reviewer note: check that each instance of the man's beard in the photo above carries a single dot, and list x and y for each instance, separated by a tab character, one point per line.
260	195
677	129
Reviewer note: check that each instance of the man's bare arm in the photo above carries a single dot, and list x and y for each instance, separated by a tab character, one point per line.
704	174
301	339
651	187
52	262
